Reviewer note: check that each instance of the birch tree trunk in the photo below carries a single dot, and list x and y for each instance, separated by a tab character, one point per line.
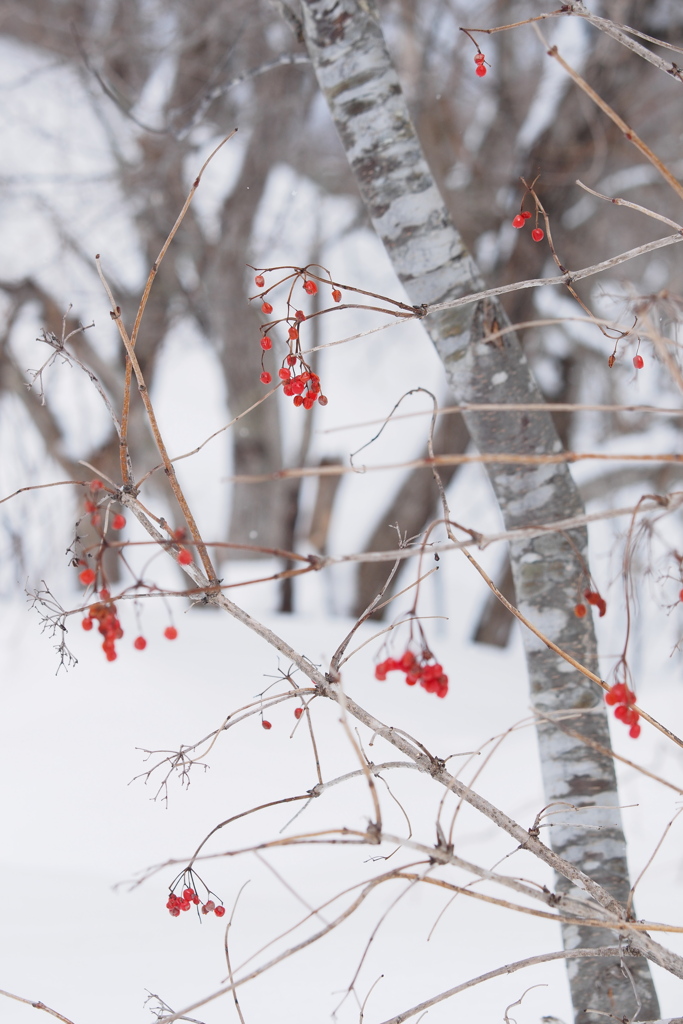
355	73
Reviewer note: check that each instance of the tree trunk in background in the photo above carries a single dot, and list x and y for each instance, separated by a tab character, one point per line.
355	73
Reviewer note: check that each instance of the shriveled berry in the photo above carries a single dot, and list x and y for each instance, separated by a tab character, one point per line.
479	58
266	724
259	280
322	400
638	362
170	632
118	522
518	221
480	70
336	295
298	400
139	643
291	360
266	343
300	315
174	912
293	334
265	377
538	234
266	308
310	287
87	577
184	556
219	911
87	624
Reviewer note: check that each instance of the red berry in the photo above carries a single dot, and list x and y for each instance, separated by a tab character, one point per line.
297	386
104	594
479	58
310	287
96	485
118	522
90	506
266	343
680	595
300	315
87	624
634	731
638	362
526	214
170	632
188	894
323	401
480	70
266	308
518	221
184	904
298	400
298	712
537	234
184	556
196	900
336	295
180	533
87	577
174	912
293	335
265	377
139	643
579	610
259	280
266	724
208	907
111	655
284	373
219	911
287	390
291	360
621	711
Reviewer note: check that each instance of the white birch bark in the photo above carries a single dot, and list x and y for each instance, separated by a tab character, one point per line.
355	74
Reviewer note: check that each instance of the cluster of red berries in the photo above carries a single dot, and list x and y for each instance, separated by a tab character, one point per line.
104	613
593	597
480	60
418	669
118	521
303	387
188	898
624	699
520	220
